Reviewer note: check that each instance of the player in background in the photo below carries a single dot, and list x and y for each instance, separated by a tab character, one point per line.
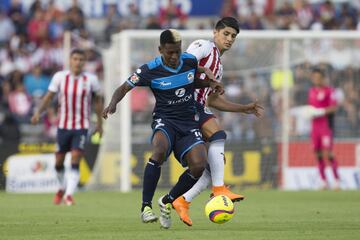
75	88
171	77
208	55
323	97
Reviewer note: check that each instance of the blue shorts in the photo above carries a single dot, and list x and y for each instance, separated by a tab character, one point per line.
182	136
203	114
68	140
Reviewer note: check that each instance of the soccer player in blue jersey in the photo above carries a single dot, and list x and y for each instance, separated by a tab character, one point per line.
171	77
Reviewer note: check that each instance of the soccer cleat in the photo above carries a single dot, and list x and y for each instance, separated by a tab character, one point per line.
182	208
223	190
165	214
323	185
58	197
148	216
336	186
69	200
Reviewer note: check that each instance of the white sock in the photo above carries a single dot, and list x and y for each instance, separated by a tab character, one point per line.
61	178
72	182
203	182
216	162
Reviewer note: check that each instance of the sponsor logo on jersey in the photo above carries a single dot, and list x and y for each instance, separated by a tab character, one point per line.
134	78
180	92
165	84
181	100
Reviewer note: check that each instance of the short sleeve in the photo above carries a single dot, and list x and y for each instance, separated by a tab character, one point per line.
140	77
95	85
54	85
199	48
333	98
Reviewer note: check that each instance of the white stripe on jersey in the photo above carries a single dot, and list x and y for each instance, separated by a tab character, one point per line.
208	56
74	98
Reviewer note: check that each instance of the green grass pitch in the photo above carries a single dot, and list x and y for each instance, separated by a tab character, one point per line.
113	215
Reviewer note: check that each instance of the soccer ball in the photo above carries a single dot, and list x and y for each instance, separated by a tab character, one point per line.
219	209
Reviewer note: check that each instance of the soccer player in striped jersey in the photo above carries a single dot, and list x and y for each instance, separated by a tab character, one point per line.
208	54
75	89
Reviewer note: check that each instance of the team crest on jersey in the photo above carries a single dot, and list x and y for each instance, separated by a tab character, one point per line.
190	76
180	92
134	78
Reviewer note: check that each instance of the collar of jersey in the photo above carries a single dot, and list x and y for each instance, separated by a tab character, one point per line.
218	51
169	68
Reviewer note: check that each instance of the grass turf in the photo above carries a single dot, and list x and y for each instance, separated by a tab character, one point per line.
113	215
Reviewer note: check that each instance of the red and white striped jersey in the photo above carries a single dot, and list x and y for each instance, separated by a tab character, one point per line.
208	56
74	94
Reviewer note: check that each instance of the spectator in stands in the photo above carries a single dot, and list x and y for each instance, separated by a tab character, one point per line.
286	17
153	22
56	28
304	14
171	15
51	121
252	22
36	83
132	19
19	103
112	22
45	57
37	28
7	27
75	18
327	15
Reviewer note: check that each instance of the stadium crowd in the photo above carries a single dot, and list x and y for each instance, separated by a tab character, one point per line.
31	51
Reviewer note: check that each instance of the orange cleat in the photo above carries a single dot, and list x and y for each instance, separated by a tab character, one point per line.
58	197
223	190
182	208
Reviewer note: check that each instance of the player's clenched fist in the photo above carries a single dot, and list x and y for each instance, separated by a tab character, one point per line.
108	110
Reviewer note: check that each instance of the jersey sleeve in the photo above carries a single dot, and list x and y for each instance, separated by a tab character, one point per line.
199	48
332	100
95	85
54	85
140	77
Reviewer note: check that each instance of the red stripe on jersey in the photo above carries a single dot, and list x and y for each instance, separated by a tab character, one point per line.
213	60
217	68
66	99
82	104
74	103
200	95
204	60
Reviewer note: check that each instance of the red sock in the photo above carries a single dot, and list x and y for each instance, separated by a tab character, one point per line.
334	167
321	166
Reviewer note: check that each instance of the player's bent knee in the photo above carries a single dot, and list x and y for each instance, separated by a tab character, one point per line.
197	167
219	135
197	171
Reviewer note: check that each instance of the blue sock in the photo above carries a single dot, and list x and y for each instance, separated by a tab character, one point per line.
185	182
151	177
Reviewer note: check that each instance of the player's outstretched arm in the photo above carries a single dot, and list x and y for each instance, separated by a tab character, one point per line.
117	96
99	105
43	105
220	103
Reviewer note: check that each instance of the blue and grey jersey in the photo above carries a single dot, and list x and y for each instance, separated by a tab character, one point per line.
173	88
